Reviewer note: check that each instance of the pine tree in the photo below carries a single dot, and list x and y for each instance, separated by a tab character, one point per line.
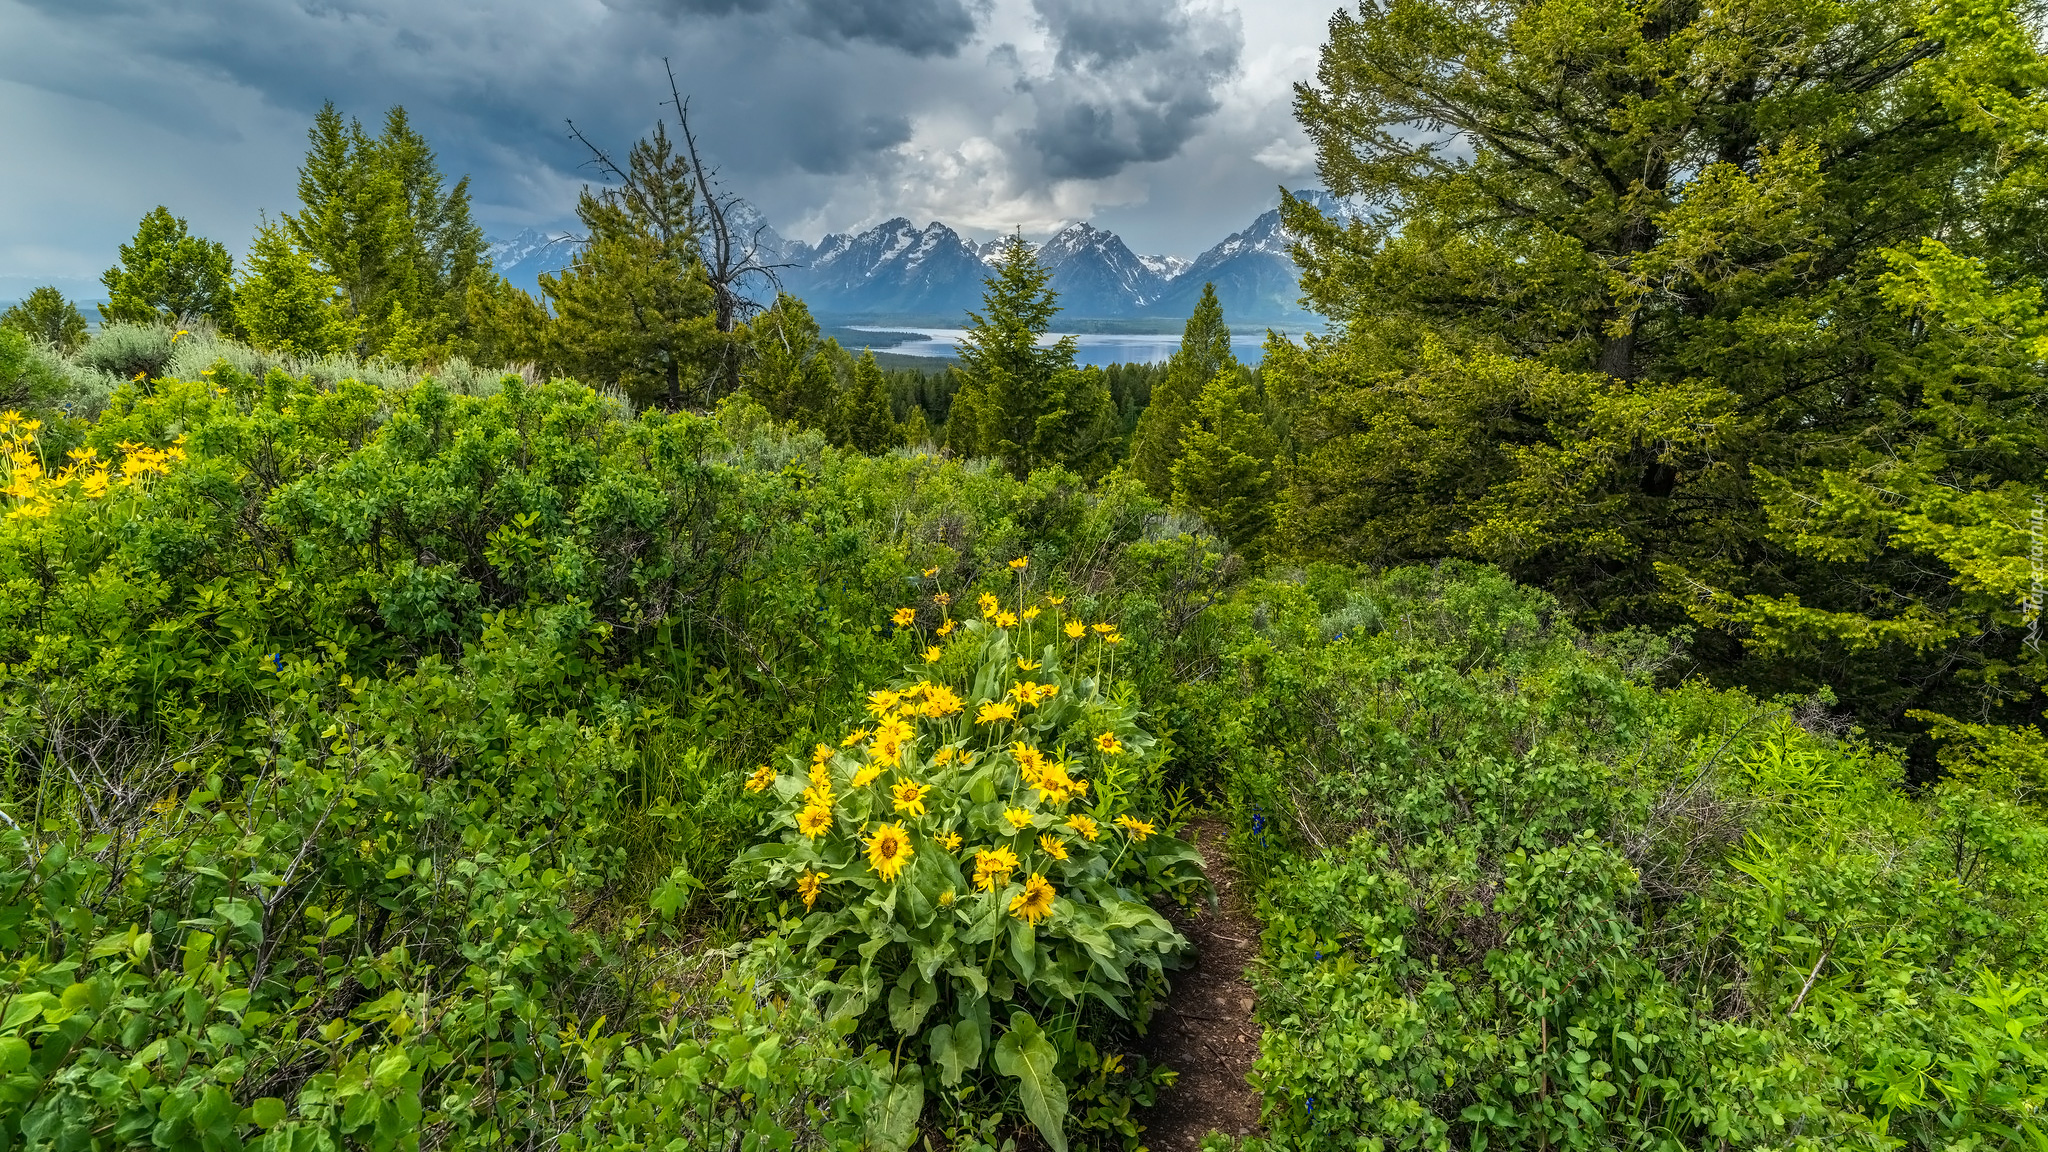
47	317
1034	407
788	367
287	304
635	310
867	418
502	324
167	275
375	216
1224	469
1204	351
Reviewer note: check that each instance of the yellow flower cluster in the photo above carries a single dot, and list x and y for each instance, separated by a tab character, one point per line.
36	491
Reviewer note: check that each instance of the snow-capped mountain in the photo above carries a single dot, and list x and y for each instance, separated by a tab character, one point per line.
1254	274
896	270
1096	274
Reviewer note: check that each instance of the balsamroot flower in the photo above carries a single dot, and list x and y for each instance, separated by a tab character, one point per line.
908	797
1109	744
1085	826
762	779
1018	564
934	655
1051	846
903	617
988	605
995	710
889	850
992	868
1035	902
1006	619
1019	819
1075	629
807	887
814	822
1139	829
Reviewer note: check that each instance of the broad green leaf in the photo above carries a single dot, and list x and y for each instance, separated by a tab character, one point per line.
893	1126
1027	1056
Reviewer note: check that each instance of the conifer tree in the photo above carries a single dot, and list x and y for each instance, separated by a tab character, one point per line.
47	317
502	324
788	367
1224	469
867	418
167	275
635	310
1204	351
1034	406
375	216
285	303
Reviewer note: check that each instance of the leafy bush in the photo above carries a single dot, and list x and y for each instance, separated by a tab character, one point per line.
971	868
1516	896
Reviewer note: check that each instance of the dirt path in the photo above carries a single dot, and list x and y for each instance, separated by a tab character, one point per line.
1206	1030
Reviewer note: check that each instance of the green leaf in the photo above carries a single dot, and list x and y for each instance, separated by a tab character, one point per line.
912	997
894	1125
1025	1054
267	1112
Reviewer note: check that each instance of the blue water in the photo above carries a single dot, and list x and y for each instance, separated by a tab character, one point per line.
1089	347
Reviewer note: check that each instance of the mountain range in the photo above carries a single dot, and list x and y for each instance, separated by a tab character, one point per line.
896	272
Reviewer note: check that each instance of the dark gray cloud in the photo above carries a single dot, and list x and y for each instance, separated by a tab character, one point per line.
917	27
1132	81
828	114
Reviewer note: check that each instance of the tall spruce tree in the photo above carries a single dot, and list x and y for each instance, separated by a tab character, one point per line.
788	366
1034	407
378	218
46	317
634	309
1619	262
169	276
1224	469
867	419
1204	351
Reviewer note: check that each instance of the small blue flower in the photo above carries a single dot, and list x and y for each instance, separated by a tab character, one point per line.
1311	1105
277	661
1259	824
1319	954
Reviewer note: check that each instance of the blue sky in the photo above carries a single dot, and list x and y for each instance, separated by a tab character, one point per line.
1166	120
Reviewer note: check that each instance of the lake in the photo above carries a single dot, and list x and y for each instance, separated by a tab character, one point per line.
1098	348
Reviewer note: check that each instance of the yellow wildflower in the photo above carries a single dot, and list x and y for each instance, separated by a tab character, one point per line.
995	710
908	797
882	700
934	655
940	702
1113	638
946	629
1030	760
1055	601
930	572
813	822
1104	629
988	604
945	755
1018	564
1019	819
807	886
1032	613
866	775
1006	619
1075	629
946	898
821	753
889	850
1139	829
1024	665
858	735
819	796
950	841
903	617
992	868
1035	902
1108	743
1051	846
1085	826
942	599
763	777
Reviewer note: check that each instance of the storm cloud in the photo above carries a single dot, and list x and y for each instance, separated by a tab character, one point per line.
827	114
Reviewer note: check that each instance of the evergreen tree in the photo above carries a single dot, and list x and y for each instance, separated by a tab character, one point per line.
1204	351
285	303
1224	469
167	275
1034	406
966	414
47	317
635	310
788	367
375	216
1607	290
502	324
867	419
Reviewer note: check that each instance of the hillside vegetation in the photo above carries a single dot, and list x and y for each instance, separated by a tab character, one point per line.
440	718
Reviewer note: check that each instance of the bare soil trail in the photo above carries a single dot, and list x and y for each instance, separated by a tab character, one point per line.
1205	1028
